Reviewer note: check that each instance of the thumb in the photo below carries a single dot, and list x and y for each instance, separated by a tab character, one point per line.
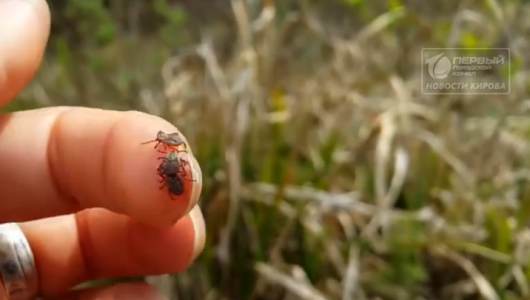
24	31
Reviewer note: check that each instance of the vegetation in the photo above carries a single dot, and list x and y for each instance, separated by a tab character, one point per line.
327	173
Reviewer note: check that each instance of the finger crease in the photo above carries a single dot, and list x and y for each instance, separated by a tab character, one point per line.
53	171
85	244
106	157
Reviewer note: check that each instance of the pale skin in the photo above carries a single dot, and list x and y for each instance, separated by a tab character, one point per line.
57	162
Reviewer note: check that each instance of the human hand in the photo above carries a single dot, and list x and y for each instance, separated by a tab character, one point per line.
82	186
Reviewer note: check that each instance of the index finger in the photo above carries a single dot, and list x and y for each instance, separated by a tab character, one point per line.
60	160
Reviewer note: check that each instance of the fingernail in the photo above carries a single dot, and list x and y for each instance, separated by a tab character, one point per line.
136	291
200	230
196	174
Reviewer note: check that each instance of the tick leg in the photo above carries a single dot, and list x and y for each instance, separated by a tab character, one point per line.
183	162
170	195
172	147
182	174
161	177
157	147
162	185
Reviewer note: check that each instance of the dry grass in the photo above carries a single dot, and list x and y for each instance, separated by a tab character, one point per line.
328	175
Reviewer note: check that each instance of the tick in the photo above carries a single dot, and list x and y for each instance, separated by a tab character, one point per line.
171	164
168	140
175	185
172	173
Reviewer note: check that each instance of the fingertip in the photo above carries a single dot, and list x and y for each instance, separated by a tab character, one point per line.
170	250
147	198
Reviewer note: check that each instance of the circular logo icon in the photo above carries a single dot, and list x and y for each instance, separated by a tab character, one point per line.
438	66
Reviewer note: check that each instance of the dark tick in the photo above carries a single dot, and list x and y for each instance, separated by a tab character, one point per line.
170	165
172	173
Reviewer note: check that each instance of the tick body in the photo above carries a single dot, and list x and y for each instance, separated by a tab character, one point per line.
175	185
167	140
172	173
170	165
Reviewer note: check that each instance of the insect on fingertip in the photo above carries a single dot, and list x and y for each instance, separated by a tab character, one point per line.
171	171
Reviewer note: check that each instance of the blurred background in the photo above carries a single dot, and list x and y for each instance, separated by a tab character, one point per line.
327	173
